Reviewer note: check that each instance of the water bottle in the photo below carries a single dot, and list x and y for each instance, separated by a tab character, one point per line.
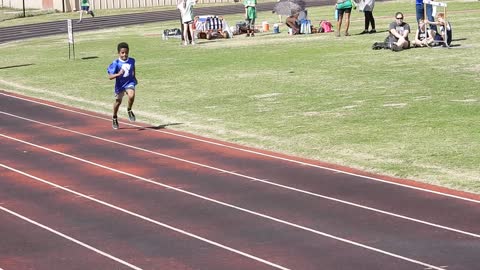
336	14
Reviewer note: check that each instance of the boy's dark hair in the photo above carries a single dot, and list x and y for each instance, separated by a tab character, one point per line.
398	13
122	45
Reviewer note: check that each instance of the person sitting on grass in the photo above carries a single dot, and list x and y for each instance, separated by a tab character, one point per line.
399	30
423	38
444	34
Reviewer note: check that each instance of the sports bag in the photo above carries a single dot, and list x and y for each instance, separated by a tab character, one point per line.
305	27
325	27
171	33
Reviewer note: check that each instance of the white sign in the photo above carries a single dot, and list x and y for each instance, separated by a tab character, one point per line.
70	31
433	3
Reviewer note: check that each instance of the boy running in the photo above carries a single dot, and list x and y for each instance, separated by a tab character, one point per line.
123	71
85	7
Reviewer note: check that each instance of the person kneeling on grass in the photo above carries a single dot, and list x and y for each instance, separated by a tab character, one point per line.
399	30
123	71
292	23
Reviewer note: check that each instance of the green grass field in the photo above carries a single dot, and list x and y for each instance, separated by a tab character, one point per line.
413	114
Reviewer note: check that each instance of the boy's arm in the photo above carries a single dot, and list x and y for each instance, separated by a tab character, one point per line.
112	76
111	71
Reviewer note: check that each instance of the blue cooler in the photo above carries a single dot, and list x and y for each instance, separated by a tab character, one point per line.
276	28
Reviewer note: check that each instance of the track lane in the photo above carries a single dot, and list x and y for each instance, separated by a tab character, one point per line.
358	226
416	204
28	246
88	24
143	243
295	248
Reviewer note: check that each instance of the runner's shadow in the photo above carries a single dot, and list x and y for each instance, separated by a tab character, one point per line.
15	66
370	34
150	127
89	57
160	126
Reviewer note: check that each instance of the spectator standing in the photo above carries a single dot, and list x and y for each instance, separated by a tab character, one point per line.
399	30
123	71
343	7
367	7
420	11
250	16
187	19
180	7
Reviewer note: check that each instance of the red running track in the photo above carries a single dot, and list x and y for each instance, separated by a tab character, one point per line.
75	194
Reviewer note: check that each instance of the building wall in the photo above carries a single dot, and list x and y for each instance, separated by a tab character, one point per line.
37	4
70	5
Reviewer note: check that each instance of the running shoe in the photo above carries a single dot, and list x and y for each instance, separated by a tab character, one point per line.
131	116
115	123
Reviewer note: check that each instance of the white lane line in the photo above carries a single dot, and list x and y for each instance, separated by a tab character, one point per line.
254	152
148	219
224	204
68	237
246	177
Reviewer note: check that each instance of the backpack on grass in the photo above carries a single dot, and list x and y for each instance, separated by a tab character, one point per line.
325	27
171	33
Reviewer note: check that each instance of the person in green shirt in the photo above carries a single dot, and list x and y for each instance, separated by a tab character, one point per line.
344	7
250	16
85	7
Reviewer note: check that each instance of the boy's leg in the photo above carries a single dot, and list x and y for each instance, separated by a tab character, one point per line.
131	99
116	106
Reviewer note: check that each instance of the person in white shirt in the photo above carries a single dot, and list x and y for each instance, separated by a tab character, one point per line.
367	7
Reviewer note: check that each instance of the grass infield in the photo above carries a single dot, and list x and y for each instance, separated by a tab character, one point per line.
413	114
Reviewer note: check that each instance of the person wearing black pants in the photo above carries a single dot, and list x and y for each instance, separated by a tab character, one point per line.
367	7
